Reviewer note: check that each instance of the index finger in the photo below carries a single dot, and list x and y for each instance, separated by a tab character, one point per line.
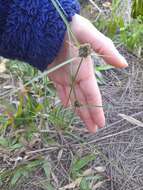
105	47
100	43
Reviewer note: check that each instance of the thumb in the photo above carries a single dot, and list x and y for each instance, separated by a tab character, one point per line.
87	33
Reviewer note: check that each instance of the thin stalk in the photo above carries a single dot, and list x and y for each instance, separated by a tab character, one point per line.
62	13
73	81
42	75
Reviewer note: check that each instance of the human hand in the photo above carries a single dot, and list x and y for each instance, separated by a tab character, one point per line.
85	89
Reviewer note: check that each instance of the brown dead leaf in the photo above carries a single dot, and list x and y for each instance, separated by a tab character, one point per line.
100	169
107	4
2	67
72	185
98	185
131	120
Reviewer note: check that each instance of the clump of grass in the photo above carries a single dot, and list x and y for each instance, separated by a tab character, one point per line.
124	32
137	9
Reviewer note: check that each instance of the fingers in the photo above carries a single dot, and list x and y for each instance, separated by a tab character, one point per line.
87	33
83	112
105	47
93	99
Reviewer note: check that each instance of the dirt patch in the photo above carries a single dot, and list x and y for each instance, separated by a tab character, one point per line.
124	94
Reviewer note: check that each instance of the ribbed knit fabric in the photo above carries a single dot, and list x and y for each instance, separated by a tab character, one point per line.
32	30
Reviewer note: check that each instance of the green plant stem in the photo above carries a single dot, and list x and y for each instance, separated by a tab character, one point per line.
41	76
62	13
73	81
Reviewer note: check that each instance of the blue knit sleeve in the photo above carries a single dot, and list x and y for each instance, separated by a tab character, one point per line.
32	30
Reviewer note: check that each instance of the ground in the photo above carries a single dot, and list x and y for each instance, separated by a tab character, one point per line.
117	149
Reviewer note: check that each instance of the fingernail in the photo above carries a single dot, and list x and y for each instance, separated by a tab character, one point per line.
94	129
124	61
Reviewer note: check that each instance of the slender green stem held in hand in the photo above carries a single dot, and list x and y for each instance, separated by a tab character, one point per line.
73	81
62	13
84	51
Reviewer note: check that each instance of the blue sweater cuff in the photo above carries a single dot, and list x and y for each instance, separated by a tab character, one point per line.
32	30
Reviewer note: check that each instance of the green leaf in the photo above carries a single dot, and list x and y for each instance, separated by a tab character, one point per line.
99	77
16	177
16	146
47	169
34	164
112	28
1	182
20	106
84	185
103	67
137	8
81	163
8	106
3	142
46	183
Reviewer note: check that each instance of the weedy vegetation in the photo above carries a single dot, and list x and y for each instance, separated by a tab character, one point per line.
44	146
125	24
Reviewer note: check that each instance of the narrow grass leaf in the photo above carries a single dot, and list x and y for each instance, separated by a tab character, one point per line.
132	120
82	162
103	67
47	169
3	142
84	185
15	178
